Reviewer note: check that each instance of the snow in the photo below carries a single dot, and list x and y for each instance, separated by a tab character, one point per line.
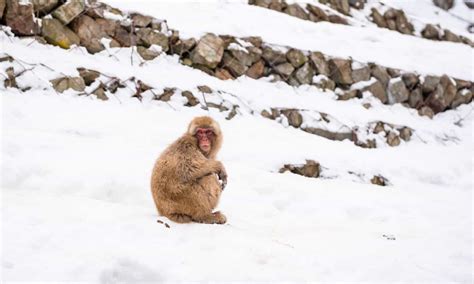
76	203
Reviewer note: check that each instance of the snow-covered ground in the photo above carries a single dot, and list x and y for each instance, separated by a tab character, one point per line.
76	203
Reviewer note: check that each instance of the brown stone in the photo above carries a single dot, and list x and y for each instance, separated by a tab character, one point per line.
411	80
397	92
430	32
3	3
64	83
444	4
341	6
415	100
88	75
379	180
337	20
273	57
256	70
295	119
426	111
305	74
450	36
44	6
378	19
183	46
192	100
208	51
147	53
340	71
57	34
19	17
232	64
69	10
223	74
141	21
349	95
148	37
462	97
393	139
361	74
205	89
430	83
244	57
377	90
284	69
320	63
89	32
381	74
316	14
296	57
107	26
405	134
124	37
295	10
335	136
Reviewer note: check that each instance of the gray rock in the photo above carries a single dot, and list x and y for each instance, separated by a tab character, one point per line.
57	34
378	19
361	74
124	37
273	57
141	21
444	4
209	51
410	80
430	83
147	53
335	136
2	7
64	83
391	24
405	133
243	57
295	118
316	14
255	53
284	69
148	37
436	100
403	25
296	57
223	74
416	98
462	97
326	84
256	70
341	6
469	3
260	3
305	74
450	36
89	32
183	46
232	64
69	10
107	26
19	17
377	91
340	71
381	74
430	32
44	6
349	95
393	139
449	88
358	4
397	92
426	111
295	10
89	76
337	20
320	63
192	100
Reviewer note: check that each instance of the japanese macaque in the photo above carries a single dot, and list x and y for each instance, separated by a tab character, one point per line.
187	180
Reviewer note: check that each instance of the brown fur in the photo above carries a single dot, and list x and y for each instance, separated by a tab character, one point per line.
184	181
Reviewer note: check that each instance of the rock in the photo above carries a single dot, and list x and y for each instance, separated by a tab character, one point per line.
341	6
390	14
57	34
310	169
265	113
379	180
430	83
256	70
62	84
209	51
205	89
192	100
444	4
147	53
403	25
141	21
167	94
284	69
393	73
379	128
449	88
462	97
295	118
88	75
349	95
405	134
340	71
325	83
69	10
235	67
411	80
378	19
392	139
255	53
123	37
10	82
243	57
183	46
19	17
260	3
335	136
223	74
254	40
361	74
305	74
430	32
358	4
99	92
316	14
397	92
450	36
319	62
295	10
44	6
296	57
426	111
462	84
377	90
2	7
89	32
107	26
469	4
415	100
148	37
436	100
392	25
381	74
337	20
273	57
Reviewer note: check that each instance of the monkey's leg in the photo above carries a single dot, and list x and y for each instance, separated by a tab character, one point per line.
179	218
213	218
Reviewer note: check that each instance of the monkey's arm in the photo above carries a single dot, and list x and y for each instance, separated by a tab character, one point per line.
191	171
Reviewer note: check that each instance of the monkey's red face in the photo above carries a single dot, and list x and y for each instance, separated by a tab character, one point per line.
205	137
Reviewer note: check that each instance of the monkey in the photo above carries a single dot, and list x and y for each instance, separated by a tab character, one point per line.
187	180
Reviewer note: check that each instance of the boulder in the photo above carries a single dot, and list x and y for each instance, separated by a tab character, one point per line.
183	46
436	100
89	32
295	10
377	90
397	91
305	74
337	20
405	134
450	36
411	80
430	32
444	4
141	21
393	139
260	3
44	6
256	70
64	83
340	71
449	88
462	97
358	4
19	17
324	83
148	37
295	118
316	14
335	136
426	111
361	74
244	57
192	100
208	51
57	34
108	26
273	57
223	74
320	63
124	37
378	19
349	95
430	83
310	169
205	89
69	10
232	64
147	53
415	100
403	26
284	69
2	7
88	75
381	74
341	6
296	57
379	180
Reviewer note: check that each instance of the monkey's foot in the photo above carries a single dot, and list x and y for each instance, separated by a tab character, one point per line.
214	218
179	218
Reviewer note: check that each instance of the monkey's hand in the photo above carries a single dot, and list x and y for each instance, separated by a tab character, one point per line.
222	174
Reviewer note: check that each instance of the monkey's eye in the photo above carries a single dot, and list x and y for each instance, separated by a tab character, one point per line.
204	132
